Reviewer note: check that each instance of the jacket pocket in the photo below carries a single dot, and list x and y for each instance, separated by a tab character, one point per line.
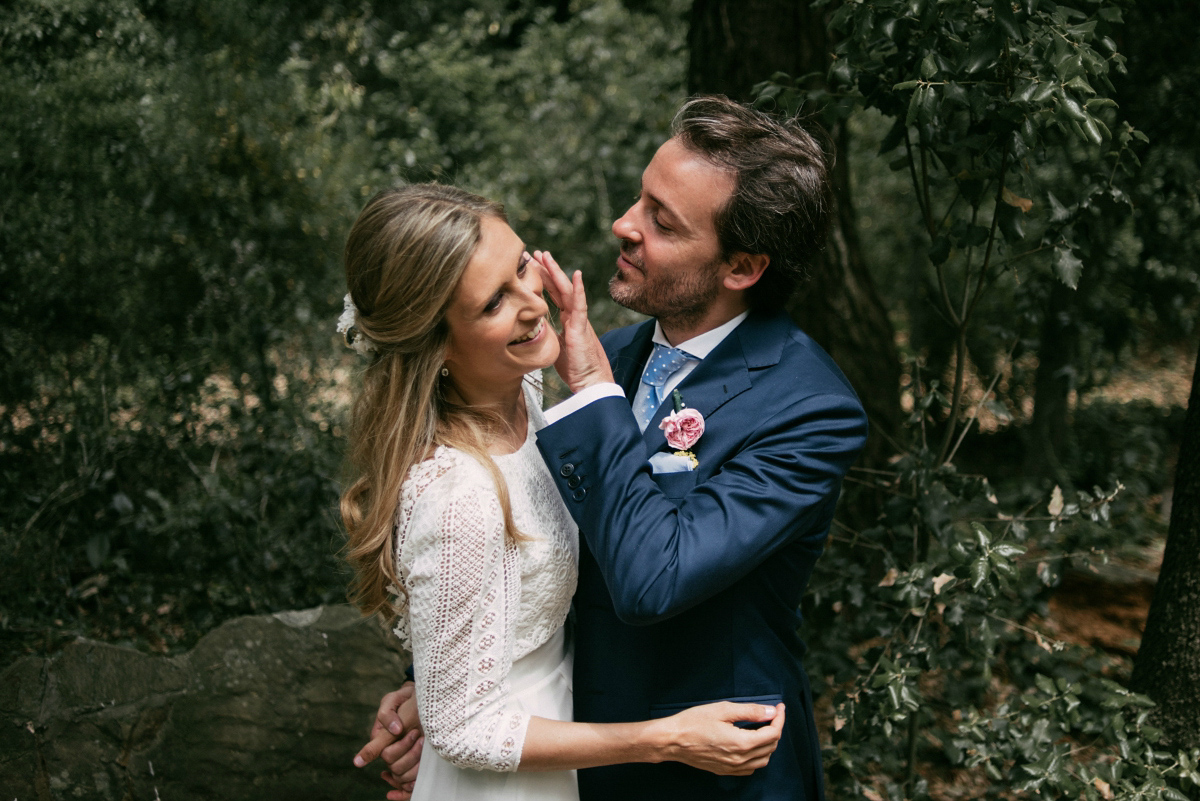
675	485
667	709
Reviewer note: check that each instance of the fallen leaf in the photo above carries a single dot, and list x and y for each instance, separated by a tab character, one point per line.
941	581
838	724
889	579
1104	788
1013	199
871	794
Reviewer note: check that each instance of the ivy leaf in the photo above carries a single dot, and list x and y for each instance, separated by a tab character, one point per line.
1071	106
984	50
1058	212
1013	229
979	572
1007	20
1068	266
914	105
1009	551
982	535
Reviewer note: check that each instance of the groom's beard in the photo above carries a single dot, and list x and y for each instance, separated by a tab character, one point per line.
677	299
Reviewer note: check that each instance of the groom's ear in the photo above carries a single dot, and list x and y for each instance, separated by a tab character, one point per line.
745	269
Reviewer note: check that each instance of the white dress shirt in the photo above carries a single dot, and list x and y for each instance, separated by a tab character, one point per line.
698	347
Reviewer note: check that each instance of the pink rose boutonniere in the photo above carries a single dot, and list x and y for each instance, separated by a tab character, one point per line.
683	428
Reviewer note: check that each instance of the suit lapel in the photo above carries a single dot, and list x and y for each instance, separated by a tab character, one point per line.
628	362
725	373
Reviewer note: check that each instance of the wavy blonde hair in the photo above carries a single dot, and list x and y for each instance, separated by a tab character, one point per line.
405	256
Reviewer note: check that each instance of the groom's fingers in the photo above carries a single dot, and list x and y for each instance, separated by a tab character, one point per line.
379	740
404	756
392	715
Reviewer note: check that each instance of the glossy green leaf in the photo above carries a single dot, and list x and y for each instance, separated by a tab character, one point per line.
914	105
1007	20
979	572
983	51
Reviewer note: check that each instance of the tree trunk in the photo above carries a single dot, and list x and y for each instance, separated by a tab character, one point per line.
735	44
1047	435
1167	667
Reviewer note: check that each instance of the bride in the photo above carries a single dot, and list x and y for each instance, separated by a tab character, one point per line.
455	527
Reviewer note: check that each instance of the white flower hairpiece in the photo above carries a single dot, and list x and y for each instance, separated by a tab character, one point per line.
348	327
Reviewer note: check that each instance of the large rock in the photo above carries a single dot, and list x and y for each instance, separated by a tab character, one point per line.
263	708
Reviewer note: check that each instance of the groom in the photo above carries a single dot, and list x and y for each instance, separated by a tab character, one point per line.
693	565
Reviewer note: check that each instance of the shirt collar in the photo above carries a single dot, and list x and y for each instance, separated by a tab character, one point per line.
698	347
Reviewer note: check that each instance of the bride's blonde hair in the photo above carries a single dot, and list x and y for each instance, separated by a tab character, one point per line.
405	256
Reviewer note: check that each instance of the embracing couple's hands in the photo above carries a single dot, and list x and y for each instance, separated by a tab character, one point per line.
581	359
396	738
705	737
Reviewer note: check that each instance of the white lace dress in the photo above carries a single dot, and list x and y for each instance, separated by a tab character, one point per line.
484	619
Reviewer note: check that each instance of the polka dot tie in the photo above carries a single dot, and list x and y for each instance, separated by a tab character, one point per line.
664	362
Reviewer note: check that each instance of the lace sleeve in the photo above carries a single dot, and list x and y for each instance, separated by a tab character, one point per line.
464	584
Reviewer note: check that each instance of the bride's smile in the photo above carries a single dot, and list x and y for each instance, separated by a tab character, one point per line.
497	319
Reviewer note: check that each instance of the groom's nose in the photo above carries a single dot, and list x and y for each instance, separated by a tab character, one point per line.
624	227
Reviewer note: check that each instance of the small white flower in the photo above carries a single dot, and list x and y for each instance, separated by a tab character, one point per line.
347	326
347	320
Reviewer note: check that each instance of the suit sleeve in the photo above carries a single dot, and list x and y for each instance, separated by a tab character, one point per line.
660	557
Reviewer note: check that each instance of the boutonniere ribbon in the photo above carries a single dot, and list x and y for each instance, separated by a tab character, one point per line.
683	428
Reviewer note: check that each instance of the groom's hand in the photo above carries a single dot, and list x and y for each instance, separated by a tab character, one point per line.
396	737
581	358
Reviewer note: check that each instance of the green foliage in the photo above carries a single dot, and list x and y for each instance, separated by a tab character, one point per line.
927	624
557	125
1001	118
160	240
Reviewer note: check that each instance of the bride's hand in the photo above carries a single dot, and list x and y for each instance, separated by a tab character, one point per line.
705	737
581	359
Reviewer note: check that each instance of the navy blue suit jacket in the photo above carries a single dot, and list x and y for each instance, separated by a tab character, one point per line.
690	583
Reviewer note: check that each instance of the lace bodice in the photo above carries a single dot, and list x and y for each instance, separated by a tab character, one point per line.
475	601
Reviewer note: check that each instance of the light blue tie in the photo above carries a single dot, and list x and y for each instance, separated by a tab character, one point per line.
664	362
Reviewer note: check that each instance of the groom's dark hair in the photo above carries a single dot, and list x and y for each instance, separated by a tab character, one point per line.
782	198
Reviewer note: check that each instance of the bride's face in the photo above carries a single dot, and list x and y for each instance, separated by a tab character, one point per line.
497	318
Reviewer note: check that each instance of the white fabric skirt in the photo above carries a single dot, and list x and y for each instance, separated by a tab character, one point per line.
540	684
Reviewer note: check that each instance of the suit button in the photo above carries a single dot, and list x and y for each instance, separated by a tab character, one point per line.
574	481
579	494
566	470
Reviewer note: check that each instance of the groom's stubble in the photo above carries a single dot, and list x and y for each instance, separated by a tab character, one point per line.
677	300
